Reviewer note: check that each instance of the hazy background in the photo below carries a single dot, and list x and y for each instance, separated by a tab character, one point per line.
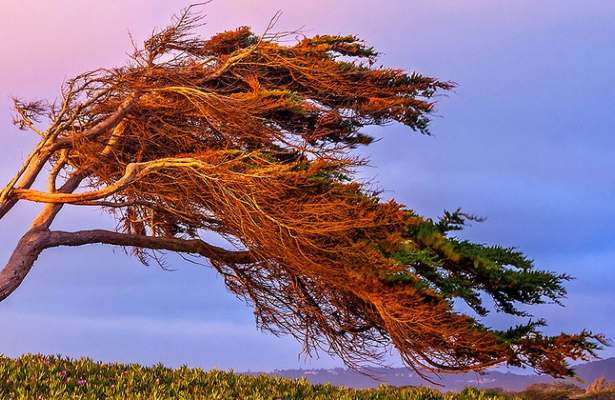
526	141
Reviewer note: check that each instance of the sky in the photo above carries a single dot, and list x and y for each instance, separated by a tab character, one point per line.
526	140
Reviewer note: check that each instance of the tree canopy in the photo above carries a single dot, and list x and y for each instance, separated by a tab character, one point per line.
250	137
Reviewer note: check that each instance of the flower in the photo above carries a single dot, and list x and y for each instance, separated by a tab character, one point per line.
82	381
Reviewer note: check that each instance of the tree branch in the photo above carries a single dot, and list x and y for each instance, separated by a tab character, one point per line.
21	261
112	120
38	239
30	169
55	171
193	246
133	172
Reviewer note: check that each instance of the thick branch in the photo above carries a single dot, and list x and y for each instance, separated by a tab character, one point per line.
193	246
55	171
31	168
111	121
19	264
23	179
134	171
38	239
44	219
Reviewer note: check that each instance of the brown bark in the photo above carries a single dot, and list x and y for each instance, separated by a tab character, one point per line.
38	239
133	172
193	246
21	261
36	164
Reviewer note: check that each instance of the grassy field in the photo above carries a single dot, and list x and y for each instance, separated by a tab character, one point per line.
51	378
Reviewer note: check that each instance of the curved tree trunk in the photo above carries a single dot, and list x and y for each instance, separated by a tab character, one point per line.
32	243
38	237
19	264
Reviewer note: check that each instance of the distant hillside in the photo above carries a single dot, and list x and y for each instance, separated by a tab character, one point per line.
404	377
595	369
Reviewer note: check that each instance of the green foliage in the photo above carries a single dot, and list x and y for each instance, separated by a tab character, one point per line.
55	377
349	45
461	269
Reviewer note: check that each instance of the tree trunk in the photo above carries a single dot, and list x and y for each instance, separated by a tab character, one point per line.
19	264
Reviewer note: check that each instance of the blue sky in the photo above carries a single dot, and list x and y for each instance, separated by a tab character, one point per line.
526	140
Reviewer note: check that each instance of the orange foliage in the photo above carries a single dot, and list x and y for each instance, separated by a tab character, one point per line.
248	137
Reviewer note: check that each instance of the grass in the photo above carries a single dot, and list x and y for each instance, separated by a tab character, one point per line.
54	377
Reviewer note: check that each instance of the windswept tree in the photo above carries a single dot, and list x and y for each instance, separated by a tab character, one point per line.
249	137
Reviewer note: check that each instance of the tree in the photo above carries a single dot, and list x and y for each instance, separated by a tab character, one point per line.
250	138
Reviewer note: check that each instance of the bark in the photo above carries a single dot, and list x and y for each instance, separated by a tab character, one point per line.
193	246
133	172
27	174
25	181
21	261
45	218
39	238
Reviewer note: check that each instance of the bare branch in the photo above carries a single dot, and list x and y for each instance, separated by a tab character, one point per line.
55	171
32	166
133	173
193	246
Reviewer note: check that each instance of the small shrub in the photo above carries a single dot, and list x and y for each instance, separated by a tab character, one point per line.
599	389
550	391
